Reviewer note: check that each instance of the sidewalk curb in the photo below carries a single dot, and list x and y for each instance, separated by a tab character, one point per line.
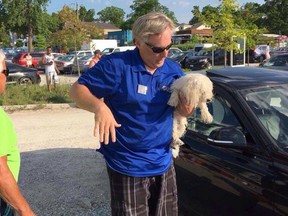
40	106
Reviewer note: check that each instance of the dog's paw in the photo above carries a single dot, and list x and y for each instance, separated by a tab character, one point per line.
175	152
207	118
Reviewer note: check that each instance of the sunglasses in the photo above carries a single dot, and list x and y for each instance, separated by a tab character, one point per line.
158	49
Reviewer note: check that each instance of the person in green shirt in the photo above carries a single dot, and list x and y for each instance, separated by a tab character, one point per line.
11	199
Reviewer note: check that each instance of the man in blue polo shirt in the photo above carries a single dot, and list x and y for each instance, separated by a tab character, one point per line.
127	91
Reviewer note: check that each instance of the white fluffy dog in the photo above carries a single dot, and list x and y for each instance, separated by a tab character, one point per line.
196	89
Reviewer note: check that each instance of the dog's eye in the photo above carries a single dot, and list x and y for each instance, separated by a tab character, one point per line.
208	101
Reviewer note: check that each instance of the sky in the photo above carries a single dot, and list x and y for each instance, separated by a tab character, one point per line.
181	8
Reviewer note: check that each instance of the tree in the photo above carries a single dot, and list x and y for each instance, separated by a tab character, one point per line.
4	36
86	15
112	14
275	17
225	28
40	42
207	11
23	16
73	32
247	17
141	7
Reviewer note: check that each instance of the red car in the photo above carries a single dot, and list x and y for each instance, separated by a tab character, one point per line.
20	58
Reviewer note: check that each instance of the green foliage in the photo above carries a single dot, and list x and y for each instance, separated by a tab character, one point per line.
112	14
40	42
73	32
275	17
141	7
22	16
185	46
19	43
34	94
86	15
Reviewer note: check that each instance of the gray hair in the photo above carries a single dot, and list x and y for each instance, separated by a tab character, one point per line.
151	24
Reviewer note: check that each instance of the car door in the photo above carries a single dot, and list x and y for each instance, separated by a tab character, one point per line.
224	180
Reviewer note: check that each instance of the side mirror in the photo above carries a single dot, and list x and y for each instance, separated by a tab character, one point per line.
229	137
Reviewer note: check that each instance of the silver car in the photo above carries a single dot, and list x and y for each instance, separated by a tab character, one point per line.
65	64
83	64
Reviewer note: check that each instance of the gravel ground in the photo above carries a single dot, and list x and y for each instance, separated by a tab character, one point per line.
61	173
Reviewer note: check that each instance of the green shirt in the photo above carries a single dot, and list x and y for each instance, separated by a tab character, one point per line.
8	144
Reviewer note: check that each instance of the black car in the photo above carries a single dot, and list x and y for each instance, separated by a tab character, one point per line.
238	164
181	58
205	58
279	62
22	75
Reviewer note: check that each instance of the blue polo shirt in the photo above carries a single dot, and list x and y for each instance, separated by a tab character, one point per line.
138	101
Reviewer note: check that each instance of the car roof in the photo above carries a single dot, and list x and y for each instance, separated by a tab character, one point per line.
247	77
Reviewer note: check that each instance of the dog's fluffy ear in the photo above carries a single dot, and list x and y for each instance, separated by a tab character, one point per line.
174	99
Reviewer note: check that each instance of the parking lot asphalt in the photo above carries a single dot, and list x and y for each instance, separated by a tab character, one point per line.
61	173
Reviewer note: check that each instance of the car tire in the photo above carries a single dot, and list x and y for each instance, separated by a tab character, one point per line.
25	81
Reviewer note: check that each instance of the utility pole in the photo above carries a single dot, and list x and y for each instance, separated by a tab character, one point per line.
77	12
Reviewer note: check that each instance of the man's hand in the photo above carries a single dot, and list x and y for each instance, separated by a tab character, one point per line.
183	108
105	124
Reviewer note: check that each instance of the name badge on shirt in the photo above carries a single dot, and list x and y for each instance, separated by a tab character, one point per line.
142	89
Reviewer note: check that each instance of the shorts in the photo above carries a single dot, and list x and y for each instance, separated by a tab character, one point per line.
142	196
51	77
5	209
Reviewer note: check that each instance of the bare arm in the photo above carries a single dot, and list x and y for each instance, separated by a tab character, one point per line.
104	120
183	108
91	63
10	191
43	60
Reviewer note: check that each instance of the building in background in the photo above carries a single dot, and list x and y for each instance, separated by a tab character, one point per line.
124	37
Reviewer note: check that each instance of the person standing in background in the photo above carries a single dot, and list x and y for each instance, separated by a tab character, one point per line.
95	59
50	69
29	60
11	198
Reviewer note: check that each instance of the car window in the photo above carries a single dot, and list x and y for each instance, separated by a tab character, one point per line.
222	114
80	55
270	105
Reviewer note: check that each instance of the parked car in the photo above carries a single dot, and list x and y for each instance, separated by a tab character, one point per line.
83	64
279	50
108	51
81	53
9	57
20	58
22	75
204	59
174	51
65	64
278	62
238	164
181	57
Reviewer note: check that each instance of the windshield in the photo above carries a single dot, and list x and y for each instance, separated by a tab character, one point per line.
270	104
203	52
67	58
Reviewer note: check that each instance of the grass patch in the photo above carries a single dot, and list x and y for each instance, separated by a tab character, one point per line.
34	94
